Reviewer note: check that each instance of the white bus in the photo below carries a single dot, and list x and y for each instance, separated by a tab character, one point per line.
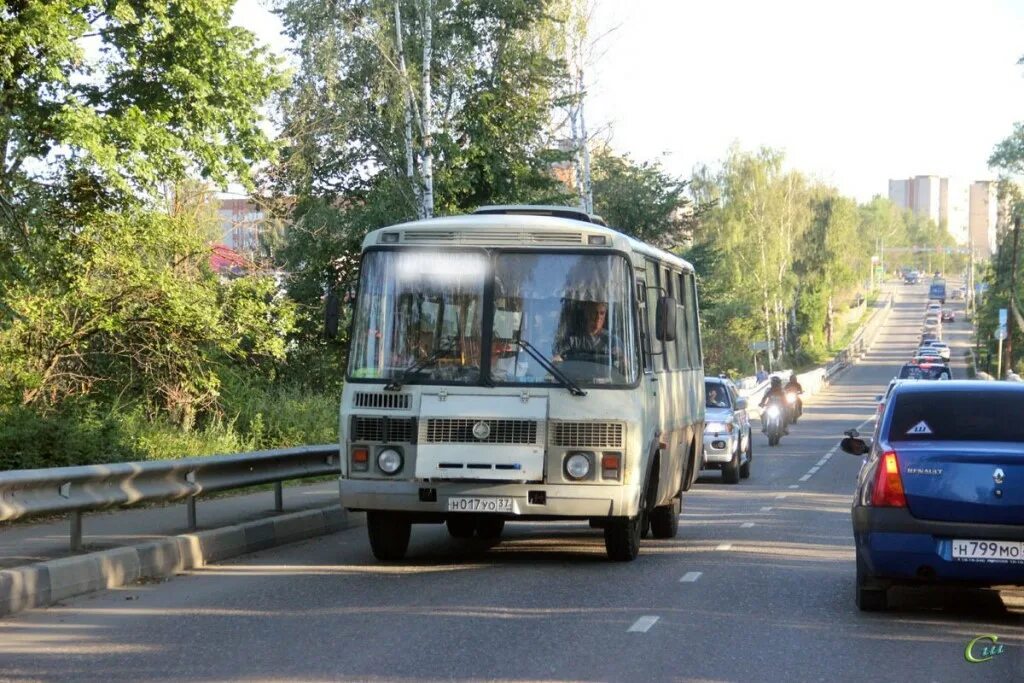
520	363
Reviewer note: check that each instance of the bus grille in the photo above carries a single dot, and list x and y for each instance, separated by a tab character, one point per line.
364	399
460	430
387	429
587	434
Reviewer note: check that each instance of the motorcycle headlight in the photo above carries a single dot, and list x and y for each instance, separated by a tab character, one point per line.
773	410
718	427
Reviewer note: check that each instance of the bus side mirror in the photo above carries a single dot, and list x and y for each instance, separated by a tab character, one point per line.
665	319
332	314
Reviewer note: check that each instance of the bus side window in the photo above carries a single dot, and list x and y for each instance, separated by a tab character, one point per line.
653	292
645	337
682	344
693	321
669	348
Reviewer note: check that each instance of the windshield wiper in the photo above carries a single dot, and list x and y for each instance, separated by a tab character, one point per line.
422	364
545	363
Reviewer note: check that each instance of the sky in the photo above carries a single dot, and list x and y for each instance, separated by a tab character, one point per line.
854	93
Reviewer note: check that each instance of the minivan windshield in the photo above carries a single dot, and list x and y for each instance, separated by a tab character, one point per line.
414	306
958	416
576	309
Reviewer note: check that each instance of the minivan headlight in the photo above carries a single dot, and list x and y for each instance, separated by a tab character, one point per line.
389	460
577	465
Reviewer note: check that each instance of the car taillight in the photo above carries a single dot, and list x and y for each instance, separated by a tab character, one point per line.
888	491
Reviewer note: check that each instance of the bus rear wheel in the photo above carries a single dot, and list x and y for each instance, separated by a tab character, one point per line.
665	519
389	534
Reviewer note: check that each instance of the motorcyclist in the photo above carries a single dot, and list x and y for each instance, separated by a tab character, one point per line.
775	391
794	385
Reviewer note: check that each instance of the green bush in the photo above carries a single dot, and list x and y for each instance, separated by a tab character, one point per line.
256	416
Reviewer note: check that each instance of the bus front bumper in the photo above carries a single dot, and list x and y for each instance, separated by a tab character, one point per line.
525	500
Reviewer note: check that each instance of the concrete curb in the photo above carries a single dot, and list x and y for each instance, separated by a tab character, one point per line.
44	583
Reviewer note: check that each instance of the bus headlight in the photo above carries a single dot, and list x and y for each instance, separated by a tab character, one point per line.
389	460
577	465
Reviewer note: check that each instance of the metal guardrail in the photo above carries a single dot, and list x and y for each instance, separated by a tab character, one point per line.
87	488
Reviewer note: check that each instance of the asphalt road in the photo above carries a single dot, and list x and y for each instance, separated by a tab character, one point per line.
758	586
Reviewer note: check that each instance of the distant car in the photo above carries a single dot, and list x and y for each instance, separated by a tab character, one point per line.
948	316
933	307
728	444
938	498
929	354
932	322
929	337
942	348
882	398
929	371
912	278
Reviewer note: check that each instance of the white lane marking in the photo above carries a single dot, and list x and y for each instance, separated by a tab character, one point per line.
814	469
767	509
746	525
781	496
821	463
642	625
805	477
690	577
724	546
794	486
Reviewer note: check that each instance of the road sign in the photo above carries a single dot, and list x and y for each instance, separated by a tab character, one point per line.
1002	317
1001	334
761	346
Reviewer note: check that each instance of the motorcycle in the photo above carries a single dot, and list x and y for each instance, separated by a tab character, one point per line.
794	407
774	425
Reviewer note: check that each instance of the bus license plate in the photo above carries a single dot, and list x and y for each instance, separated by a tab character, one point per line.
462	504
988	551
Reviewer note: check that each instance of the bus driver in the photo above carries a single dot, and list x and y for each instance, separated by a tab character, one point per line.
593	342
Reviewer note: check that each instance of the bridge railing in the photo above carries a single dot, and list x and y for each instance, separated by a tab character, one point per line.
86	488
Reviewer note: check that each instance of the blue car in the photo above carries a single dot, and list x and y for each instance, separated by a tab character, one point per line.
940	496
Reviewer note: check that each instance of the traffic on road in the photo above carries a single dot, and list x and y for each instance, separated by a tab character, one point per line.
921	525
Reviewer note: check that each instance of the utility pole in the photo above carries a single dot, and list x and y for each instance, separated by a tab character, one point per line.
1013	292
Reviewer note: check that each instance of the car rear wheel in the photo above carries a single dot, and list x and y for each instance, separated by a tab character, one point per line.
745	467
389	534
871	595
731	470
665	519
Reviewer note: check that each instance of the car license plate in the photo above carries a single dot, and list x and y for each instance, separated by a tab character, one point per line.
465	504
988	551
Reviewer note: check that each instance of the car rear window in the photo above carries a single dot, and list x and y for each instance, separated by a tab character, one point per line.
958	416
924	372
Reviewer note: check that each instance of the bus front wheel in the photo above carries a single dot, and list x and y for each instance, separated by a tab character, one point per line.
622	538
389	534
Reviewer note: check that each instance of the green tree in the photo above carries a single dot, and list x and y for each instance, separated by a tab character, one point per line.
104	289
642	199
353	125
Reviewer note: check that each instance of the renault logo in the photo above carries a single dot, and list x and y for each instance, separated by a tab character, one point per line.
481	430
998	476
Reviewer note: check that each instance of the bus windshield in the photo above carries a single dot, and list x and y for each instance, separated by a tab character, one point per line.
419	307
576	309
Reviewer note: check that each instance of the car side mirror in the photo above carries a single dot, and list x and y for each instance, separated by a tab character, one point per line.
665	319
878	398
741	404
854	446
332	314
